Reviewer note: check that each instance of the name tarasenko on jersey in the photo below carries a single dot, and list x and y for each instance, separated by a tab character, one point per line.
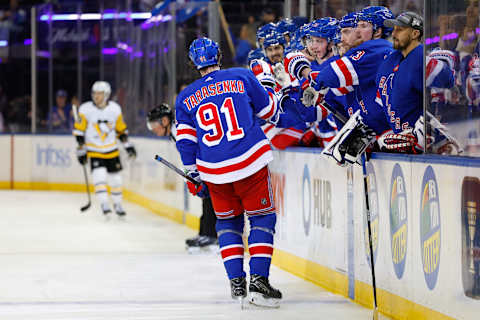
214	89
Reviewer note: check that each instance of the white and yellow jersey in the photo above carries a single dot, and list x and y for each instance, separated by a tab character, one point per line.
100	127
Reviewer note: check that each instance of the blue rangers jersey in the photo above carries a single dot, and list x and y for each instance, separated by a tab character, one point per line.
335	97
400	86
355	72
216	128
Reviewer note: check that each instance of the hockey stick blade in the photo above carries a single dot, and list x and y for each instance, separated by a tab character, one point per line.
177	170
85	207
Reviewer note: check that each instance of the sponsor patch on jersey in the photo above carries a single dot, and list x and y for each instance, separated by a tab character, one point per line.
430	227
257	68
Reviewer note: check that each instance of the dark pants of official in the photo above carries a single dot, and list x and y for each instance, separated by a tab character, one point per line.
208	219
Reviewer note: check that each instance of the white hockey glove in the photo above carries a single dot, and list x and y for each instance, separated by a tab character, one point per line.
351	142
309	97
281	76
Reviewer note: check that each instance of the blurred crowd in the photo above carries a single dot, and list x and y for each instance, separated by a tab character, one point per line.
452	29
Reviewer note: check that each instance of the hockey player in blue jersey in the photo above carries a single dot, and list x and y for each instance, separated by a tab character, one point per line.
400	86
356	70
222	147
400	76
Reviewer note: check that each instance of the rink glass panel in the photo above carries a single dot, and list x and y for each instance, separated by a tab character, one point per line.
454	26
136	59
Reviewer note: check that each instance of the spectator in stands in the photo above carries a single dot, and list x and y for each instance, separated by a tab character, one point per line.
17	116
243	46
60	119
3	108
268	15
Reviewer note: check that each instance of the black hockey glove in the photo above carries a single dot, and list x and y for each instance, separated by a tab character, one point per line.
82	155
132	153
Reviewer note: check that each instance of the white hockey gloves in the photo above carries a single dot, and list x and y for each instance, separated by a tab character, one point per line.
310	97
281	76
351	142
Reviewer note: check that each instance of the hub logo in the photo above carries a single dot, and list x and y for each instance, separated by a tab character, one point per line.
430	227
53	157
374	219
398	220
306	203
471	237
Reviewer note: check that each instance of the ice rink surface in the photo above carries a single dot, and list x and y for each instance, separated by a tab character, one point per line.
57	263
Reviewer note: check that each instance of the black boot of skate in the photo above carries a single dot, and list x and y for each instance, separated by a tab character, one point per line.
190	242
202	244
261	293
119	211
238	287
106	211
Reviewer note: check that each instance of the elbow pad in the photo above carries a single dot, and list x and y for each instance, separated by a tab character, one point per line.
295	62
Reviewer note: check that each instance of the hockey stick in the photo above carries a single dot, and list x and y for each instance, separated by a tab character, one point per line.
369	227
177	170
365	156
89	203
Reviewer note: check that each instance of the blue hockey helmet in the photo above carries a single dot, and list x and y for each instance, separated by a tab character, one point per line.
273	39
255	54
338	36
265	29
349	20
324	28
204	52
376	15
286	26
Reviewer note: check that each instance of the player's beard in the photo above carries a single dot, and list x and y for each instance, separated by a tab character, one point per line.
401	44
276	58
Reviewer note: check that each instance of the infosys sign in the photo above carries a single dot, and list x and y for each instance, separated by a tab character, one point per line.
430	243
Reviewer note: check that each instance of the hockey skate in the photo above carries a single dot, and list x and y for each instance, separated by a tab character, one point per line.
261	293
119	211
106	211
191	241
239	289
202	244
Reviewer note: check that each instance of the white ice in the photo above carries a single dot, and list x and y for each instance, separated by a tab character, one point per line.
57	263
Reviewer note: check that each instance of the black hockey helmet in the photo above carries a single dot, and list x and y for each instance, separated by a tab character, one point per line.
160	111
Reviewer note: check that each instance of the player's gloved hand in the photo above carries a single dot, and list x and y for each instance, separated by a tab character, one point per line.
199	189
132	153
82	155
312	77
281	75
310	97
